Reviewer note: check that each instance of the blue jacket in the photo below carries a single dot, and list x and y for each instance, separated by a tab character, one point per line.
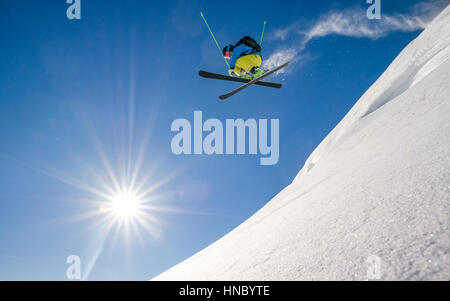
240	51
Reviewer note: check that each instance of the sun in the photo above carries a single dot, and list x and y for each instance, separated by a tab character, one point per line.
125	205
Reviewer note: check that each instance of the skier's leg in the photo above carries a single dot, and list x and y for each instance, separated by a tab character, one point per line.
256	61
242	66
237	69
250	64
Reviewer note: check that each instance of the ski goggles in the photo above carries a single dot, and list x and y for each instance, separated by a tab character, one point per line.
228	54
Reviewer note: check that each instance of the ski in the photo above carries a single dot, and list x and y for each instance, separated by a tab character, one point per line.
206	74
252	82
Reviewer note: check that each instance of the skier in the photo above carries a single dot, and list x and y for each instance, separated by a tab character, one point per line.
245	58
244	64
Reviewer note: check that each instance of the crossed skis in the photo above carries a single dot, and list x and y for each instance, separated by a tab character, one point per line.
255	81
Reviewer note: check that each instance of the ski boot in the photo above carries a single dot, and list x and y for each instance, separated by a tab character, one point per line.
245	75
257	72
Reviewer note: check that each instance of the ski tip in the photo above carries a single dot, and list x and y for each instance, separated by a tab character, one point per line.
223	97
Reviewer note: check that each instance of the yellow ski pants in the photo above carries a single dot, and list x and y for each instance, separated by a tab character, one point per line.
247	63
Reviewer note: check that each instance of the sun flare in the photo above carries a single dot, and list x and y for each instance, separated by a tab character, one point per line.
125	206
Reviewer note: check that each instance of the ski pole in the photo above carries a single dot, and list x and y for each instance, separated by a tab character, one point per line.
214	38
262	33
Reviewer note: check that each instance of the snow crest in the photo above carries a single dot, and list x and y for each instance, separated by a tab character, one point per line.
422	56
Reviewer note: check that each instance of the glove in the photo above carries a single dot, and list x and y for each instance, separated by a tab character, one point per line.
230	72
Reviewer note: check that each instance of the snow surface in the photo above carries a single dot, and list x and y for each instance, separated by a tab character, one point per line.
378	184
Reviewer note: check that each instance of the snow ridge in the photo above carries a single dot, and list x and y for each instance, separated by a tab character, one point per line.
414	63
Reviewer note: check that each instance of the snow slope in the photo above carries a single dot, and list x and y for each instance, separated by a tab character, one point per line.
378	184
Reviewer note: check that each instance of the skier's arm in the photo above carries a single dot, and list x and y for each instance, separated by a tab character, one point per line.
237	53
232	64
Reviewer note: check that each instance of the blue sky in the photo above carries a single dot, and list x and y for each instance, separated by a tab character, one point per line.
79	100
